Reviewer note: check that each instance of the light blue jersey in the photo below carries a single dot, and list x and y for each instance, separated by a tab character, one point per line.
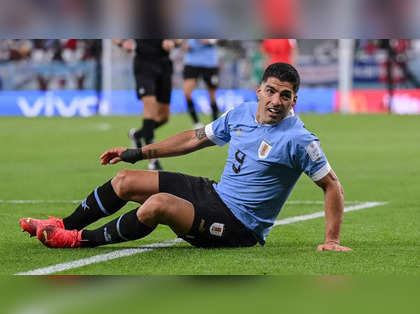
201	55
263	165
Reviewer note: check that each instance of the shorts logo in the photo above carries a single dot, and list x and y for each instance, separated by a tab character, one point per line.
314	151
85	206
142	90
216	229
264	150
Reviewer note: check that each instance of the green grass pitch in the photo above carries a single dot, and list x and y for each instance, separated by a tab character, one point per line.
56	160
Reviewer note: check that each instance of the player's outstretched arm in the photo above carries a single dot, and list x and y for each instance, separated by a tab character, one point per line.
334	208
177	145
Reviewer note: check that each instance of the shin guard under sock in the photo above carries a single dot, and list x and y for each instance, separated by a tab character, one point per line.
127	227
100	203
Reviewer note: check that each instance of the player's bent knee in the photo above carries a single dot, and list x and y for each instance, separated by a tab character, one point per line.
121	183
154	209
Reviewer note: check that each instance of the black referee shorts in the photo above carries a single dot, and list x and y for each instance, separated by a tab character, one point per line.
210	75
153	78
214	224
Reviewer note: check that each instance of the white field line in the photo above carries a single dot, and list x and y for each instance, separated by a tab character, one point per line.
100	258
290	220
38	201
128	252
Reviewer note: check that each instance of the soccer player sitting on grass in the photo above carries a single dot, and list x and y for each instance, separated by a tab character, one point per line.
269	149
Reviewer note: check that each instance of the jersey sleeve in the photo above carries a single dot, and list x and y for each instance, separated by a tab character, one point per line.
218	131
311	159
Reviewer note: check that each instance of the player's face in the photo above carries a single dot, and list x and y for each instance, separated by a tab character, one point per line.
275	99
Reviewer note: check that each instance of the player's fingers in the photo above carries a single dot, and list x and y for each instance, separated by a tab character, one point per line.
107	152
104	155
105	160
115	160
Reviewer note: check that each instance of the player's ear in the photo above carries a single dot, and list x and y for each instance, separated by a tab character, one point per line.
295	99
258	91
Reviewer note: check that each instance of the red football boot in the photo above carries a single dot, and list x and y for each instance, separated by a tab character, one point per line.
31	225
55	237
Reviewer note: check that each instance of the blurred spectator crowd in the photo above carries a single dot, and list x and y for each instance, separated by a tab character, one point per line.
46	64
51	64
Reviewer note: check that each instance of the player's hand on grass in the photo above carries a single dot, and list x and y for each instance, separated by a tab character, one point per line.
112	156
333	246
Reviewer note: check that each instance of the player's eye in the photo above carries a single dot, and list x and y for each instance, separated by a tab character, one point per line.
286	95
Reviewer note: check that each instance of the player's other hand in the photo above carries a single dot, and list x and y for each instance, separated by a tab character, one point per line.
333	246
112	156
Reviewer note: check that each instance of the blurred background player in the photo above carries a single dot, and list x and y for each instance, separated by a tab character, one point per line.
153	74
201	60
396	57
279	50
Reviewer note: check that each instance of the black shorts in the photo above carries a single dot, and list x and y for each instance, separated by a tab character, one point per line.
214	224
153	78
209	75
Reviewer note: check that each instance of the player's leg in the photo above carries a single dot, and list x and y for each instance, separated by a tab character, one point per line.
163	114
163	95
161	117
189	85
190	80
211	78
145	76
162	109
150	111
160	208
105	200
213	104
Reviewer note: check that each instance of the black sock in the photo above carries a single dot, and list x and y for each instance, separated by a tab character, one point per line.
191	110
215	110
127	227
100	203
159	124
147	130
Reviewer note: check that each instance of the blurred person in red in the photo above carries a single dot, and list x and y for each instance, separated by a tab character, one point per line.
279	50
279	16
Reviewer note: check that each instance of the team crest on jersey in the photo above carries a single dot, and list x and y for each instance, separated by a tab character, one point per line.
264	150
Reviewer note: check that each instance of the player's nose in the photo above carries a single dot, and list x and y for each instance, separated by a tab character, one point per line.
275	100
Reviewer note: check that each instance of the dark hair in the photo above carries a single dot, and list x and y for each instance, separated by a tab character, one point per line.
283	72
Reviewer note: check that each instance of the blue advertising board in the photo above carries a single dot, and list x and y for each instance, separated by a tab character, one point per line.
124	102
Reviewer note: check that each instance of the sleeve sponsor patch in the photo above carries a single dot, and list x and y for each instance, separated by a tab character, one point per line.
314	151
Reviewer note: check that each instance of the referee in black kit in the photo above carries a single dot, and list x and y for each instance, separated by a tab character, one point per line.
153	75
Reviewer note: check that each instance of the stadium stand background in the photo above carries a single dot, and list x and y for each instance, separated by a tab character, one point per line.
63	77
